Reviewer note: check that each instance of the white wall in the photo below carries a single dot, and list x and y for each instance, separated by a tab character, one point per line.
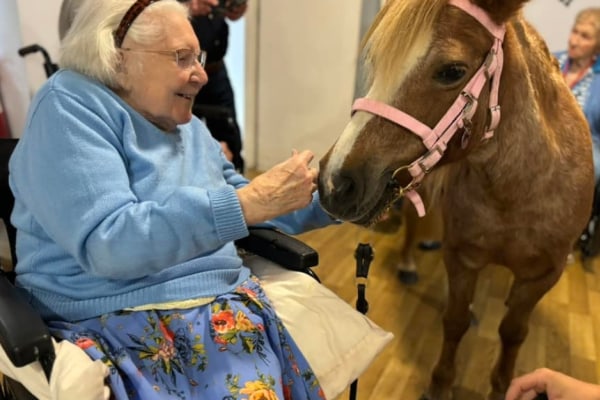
39	25
14	81
306	63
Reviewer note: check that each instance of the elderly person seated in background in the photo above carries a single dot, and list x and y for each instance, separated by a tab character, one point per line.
127	209
580	65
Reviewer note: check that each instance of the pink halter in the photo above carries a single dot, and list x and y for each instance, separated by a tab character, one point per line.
458	115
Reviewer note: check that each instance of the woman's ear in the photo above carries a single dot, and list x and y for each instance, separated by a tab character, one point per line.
121	71
120	67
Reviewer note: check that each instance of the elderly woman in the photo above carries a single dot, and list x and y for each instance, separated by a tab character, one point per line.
580	64
127	209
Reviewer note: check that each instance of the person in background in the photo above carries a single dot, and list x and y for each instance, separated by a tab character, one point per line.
580	65
555	385
127	210
210	22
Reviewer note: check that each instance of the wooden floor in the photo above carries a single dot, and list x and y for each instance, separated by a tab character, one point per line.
564	333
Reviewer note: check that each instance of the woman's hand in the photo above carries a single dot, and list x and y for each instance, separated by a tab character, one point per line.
556	385
284	188
236	13
228	153
201	7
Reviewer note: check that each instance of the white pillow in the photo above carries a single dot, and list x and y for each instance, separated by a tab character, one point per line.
338	341
71	367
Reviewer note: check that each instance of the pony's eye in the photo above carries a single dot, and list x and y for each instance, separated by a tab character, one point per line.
450	73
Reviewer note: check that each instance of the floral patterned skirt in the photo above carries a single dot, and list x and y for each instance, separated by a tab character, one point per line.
234	348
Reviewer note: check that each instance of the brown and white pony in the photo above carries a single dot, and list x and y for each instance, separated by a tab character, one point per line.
468	91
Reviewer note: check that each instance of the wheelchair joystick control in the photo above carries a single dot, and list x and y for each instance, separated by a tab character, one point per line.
363	256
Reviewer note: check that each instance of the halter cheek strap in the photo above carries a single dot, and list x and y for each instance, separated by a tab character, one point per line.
457	117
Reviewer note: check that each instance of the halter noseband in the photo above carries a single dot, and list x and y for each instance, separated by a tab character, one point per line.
457	117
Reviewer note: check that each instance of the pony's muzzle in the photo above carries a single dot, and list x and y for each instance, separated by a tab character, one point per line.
340	193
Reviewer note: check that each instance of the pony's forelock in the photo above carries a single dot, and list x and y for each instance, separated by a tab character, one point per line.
400	29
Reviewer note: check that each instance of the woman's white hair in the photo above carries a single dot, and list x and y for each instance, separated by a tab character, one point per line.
89	45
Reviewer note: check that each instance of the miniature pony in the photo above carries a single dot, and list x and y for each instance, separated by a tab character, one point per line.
468	91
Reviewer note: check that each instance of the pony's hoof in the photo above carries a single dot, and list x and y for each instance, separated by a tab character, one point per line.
408	278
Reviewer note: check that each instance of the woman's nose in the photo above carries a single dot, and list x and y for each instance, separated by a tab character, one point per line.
199	74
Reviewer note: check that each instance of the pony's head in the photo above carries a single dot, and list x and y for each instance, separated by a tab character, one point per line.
433	71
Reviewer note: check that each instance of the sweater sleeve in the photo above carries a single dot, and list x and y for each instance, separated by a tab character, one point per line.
311	217
72	178
592	108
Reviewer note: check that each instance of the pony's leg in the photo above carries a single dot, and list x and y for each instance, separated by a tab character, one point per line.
457	319
525	293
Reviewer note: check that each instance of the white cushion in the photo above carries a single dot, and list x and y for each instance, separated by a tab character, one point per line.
71	367
338	341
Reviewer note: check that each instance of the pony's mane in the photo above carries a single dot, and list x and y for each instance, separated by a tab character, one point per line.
395	31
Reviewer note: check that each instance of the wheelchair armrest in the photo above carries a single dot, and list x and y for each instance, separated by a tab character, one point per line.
23	334
280	248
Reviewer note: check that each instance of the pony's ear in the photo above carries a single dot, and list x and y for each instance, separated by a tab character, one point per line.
500	10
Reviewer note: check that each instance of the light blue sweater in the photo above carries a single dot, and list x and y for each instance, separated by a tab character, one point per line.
113	213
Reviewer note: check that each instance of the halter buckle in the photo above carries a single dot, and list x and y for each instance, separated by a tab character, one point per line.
470	106
413	184
422	161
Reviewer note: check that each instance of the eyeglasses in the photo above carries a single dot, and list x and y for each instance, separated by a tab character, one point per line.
134	11
184	58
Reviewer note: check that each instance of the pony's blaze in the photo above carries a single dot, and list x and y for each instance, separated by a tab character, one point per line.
337	186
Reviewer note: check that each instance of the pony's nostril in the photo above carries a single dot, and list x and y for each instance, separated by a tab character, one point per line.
345	188
340	194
